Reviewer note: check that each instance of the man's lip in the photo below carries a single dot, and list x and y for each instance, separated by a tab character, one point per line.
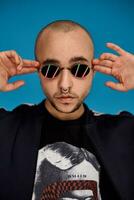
65	99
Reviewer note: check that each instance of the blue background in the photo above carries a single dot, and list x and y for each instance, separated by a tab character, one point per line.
108	21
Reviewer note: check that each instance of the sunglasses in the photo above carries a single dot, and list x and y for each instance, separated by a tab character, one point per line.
51	71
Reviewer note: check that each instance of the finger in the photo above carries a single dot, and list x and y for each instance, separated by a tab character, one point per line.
26	70
14	56
116	48
116	86
19	61
20	65
13	86
102	69
108	56
28	63
107	63
95	61
31	63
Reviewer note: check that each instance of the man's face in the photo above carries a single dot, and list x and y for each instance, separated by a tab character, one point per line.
65	93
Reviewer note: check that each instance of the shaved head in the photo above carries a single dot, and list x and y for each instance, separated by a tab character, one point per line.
59	25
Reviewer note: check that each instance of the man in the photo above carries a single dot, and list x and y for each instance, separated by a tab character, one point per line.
64	54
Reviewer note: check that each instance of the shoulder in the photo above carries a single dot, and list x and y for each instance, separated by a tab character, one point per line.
23	109
119	116
110	120
117	124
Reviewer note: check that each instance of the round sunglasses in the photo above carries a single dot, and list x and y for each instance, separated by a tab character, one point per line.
50	71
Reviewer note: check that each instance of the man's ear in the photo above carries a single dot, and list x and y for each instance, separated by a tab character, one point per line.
92	67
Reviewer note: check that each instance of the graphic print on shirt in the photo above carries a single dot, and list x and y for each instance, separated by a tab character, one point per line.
66	172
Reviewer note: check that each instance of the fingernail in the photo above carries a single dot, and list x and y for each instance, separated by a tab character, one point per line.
19	67
108	43
37	63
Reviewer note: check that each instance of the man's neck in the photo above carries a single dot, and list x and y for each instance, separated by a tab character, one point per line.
64	116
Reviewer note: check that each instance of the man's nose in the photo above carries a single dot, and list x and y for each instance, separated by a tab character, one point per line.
65	80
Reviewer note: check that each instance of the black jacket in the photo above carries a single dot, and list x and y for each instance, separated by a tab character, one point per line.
111	135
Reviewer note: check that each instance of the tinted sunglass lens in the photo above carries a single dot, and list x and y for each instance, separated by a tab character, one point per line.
50	71
80	70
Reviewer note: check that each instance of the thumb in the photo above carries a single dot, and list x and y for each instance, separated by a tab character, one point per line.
13	86
116	86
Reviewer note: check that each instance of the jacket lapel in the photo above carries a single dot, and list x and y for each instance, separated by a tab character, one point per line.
25	156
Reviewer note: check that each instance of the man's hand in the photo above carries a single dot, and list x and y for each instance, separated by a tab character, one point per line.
12	64
119	66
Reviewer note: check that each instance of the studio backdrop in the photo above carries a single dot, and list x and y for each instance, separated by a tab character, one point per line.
107	21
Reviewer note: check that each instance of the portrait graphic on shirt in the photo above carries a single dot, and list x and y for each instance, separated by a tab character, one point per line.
66	172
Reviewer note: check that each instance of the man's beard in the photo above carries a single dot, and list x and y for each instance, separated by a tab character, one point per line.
76	107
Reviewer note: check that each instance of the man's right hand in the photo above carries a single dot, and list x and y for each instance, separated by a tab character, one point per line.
12	64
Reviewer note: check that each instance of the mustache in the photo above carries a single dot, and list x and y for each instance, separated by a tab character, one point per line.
65	95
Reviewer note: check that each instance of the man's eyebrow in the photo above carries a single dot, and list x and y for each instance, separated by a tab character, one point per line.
78	59
51	60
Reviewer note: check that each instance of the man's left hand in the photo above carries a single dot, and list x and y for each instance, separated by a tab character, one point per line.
119	66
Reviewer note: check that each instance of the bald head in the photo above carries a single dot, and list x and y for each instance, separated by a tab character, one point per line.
64	26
